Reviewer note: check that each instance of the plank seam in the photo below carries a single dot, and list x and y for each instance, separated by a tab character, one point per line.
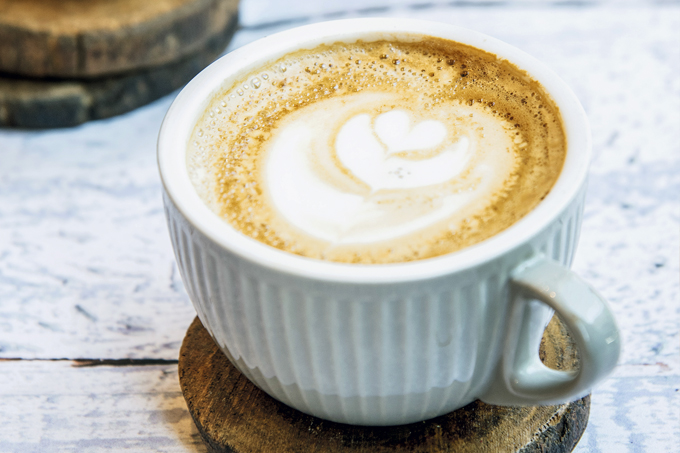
82	363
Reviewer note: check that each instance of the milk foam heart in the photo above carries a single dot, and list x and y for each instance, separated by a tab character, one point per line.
383	152
359	148
394	130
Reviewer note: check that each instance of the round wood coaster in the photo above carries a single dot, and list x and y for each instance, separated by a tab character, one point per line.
36	103
234	416
76	38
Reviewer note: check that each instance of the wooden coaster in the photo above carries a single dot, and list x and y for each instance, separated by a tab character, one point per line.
92	38
36	103
234	416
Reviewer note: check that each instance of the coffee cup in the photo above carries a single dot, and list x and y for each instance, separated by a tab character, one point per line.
389	344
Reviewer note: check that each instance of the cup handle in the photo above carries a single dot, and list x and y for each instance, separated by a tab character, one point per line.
521	377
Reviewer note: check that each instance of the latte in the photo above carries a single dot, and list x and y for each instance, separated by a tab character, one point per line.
377	152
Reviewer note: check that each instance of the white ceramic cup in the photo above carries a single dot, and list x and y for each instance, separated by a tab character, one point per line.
396	343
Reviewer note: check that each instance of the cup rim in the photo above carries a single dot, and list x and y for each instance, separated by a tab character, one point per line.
191	102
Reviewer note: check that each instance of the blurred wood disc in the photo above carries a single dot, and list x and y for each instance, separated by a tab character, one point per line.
36	103
92	38
234	416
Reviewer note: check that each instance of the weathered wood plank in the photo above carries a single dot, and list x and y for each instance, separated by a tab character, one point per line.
52	406
635	410
87	269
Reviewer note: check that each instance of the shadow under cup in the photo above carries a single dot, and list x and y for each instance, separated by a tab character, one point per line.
396	343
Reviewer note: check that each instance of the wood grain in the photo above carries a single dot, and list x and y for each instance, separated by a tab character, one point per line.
62	406
233	415
35	103
73	38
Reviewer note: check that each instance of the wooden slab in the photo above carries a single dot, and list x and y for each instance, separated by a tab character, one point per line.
234	416
35	103
76	38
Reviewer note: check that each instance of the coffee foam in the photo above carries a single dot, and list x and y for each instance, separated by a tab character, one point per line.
377	152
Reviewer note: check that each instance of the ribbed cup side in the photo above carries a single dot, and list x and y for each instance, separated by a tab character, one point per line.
385	356
562	237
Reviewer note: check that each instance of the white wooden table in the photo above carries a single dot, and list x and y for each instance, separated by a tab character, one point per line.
92	309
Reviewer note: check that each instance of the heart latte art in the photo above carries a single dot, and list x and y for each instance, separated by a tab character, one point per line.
371	178
354	153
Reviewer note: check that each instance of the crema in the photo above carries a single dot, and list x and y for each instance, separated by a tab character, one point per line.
377	152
